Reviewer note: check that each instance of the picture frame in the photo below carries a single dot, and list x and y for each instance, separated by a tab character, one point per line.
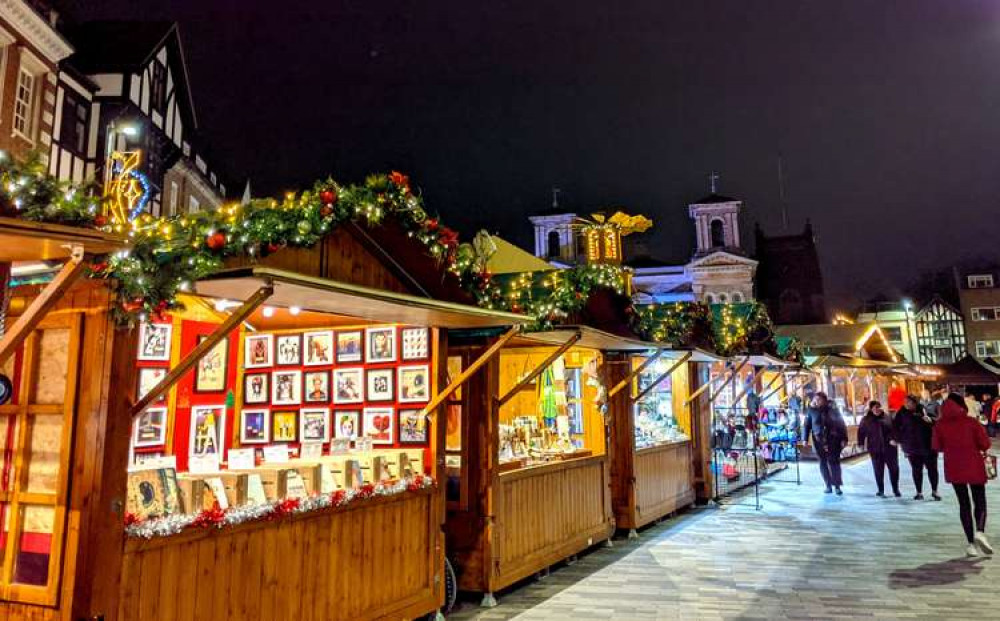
415	343
211	372
153	492
150	428
155	341
318	348
316	387
148	378
258	351
255	428
350	346
412	427
208	424
380	385
414	383
284	426
346	424
314	425
286	387
256	388
380	345
379	424
288	349
348	385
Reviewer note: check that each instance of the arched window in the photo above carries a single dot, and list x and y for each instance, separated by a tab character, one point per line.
709	298
553	243
723	298
718	231
737	298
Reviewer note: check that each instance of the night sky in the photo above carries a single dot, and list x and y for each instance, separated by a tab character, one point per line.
887	112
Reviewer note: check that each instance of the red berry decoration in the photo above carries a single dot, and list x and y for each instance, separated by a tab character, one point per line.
328	196
216	241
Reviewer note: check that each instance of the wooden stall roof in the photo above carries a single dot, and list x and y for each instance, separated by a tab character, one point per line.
848	362
767	360
24	240
591	338
851	340
330	296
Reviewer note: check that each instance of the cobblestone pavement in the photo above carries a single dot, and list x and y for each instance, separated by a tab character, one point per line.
804	555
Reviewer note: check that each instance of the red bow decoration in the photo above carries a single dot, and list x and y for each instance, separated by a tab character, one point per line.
366	491
337	498
210	517
400	180
286	507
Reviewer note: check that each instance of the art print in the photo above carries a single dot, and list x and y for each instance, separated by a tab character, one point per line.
348	385
380	385
210	375
379	425
414	384
346	424
314	425
288	349
256	388
380	345
287	387
257	351
154	341
412	427
254	428
153	493
149	377
349	348
318	347
317	387
207	425
415	343
150	428
284	426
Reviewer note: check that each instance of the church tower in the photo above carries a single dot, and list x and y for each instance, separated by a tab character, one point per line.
717	222
555	237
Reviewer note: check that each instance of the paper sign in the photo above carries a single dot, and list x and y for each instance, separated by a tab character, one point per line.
327	484
311	451
363	444
156	462
241	459
340	446
219	491
255	490
203	464
295	486
276	453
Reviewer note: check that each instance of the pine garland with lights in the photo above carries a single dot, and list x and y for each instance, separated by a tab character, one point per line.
28	191
682	324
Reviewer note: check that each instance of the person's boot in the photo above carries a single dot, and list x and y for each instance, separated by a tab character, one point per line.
935	496
829	490
983	543
896	493
839	491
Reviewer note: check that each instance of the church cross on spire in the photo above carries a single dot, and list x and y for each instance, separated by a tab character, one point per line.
555	197
713	182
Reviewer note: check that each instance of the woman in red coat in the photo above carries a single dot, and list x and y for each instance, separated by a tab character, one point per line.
963	442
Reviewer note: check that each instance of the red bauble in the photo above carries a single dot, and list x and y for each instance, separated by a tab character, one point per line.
216	241
100	220
273	247
328	196
325	211
430	224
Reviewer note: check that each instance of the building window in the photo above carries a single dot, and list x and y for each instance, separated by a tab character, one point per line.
990	313
985	349
738	298
723	298
24	99
174	190
709	298
158	87
73	130
553	241
718	232
980	281
893	333
193	204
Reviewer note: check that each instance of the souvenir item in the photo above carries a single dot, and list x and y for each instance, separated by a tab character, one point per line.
415	343
253	427
349	346
348	385
256	388
149	377
207	425
257	350
314	425
153	493
380	345
211	369
150	428
379	425
284	427
380	385
412	427
414	384
347	424
154	341
287	386
288	349
317	387
318	348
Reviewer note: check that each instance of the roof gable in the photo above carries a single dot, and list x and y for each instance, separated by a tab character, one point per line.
721	258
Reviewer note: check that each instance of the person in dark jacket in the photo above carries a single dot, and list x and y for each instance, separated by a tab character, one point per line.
826	428
913	428
875	432
963	442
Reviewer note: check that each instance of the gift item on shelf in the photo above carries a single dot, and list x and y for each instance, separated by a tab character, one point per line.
655	422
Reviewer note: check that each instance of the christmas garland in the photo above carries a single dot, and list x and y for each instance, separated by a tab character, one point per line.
216	517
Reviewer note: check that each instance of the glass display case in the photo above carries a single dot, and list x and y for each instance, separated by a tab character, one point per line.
655	420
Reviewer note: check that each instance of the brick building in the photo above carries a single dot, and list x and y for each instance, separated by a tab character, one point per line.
789	278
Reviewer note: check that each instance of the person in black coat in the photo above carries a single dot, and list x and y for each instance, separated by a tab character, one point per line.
876	432
826	428
914	429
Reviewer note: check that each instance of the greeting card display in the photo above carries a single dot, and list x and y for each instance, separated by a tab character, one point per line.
412	427
380	385
348	385
153	493
317	387
150	428
347	424
380	345
379	425
287	386
257	351
289	349
254	427
208	423
416	343
349	348
318	347
284	427
154	341
210	374
414	383
256	388
314	425
149	377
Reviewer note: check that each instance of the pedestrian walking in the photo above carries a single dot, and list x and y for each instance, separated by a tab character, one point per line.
826	428
963	442
972	405
875	432
913	430
994	418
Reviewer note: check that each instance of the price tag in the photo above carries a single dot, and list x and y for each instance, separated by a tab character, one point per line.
276	453
241	459
203	464
311	451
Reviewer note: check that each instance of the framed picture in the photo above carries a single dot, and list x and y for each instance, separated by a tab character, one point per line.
154	341
319	348
348	385
254	428
256	388
149	377
416	343
317	387
257	349
380	345
287	386
414	383
208	423
379	425
210	375
153	493
349	346
412	427
288	349
346	424
284	426
150	428
314	425
380	385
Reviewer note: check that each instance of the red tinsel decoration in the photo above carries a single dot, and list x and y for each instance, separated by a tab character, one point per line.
337	498
210	517
286	507
366	491
131	518
416	483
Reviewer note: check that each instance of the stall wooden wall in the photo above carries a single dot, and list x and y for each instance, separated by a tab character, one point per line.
376	560
663	482
701	432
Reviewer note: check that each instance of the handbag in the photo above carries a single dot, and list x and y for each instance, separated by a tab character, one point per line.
991	466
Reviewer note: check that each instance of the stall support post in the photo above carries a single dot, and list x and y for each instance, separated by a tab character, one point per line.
488	434
621	443
701	432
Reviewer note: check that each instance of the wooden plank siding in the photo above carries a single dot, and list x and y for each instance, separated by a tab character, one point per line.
663	483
